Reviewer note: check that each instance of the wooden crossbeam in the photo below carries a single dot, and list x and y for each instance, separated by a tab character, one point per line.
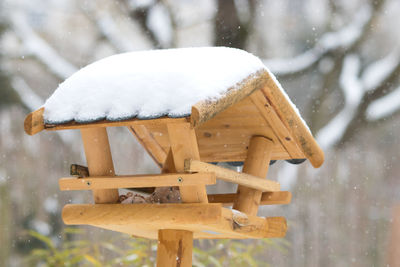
145	220
267	198
136	181
159	215
232	176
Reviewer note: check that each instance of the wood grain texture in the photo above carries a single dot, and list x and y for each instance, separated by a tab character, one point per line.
206	110
184	145
136	181
294	123
231	176
393	256
267	198
99	161
279	128
174	248
161	216
206	221
33	122
106	123
256	164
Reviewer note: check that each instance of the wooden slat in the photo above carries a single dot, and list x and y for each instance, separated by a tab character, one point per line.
279	128
99	161
204	220
174	248
207	138
155	151
229	153
160	216
393	256
232	176
267	198
136	181
256	163
184	145
294	123
33	123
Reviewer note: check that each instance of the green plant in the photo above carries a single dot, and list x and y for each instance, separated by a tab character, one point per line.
74	250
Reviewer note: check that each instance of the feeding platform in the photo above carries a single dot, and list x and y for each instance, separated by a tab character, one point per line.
189	108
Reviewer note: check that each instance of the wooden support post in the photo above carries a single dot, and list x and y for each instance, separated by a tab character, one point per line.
184	146
256	164
394	243
175	248
99	161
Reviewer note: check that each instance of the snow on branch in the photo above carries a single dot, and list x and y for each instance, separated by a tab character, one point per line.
108	28
344	38
294	65
25	92
353	93
33	101
384	106
159	22
348	35
376	73
37	47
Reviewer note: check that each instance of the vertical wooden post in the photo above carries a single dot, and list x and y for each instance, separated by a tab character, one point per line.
184	146
256	163
174	248
394	243
99	161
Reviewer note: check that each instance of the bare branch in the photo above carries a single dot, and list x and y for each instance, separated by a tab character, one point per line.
332	42
157	21
30	99
109	30
40	49
352	90
384	107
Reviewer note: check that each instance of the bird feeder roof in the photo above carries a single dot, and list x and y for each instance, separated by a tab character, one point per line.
226	94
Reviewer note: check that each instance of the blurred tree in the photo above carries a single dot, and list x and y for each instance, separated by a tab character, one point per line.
233	24
8	96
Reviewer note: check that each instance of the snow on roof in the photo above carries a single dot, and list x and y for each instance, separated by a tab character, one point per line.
149	84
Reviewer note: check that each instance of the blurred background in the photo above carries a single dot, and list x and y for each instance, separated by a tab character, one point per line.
339	61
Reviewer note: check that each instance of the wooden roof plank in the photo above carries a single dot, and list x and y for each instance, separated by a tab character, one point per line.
206	110
294	123
280	130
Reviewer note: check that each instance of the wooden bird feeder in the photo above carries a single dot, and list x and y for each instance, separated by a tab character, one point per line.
253	122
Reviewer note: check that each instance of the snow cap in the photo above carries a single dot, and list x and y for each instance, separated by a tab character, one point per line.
149	84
